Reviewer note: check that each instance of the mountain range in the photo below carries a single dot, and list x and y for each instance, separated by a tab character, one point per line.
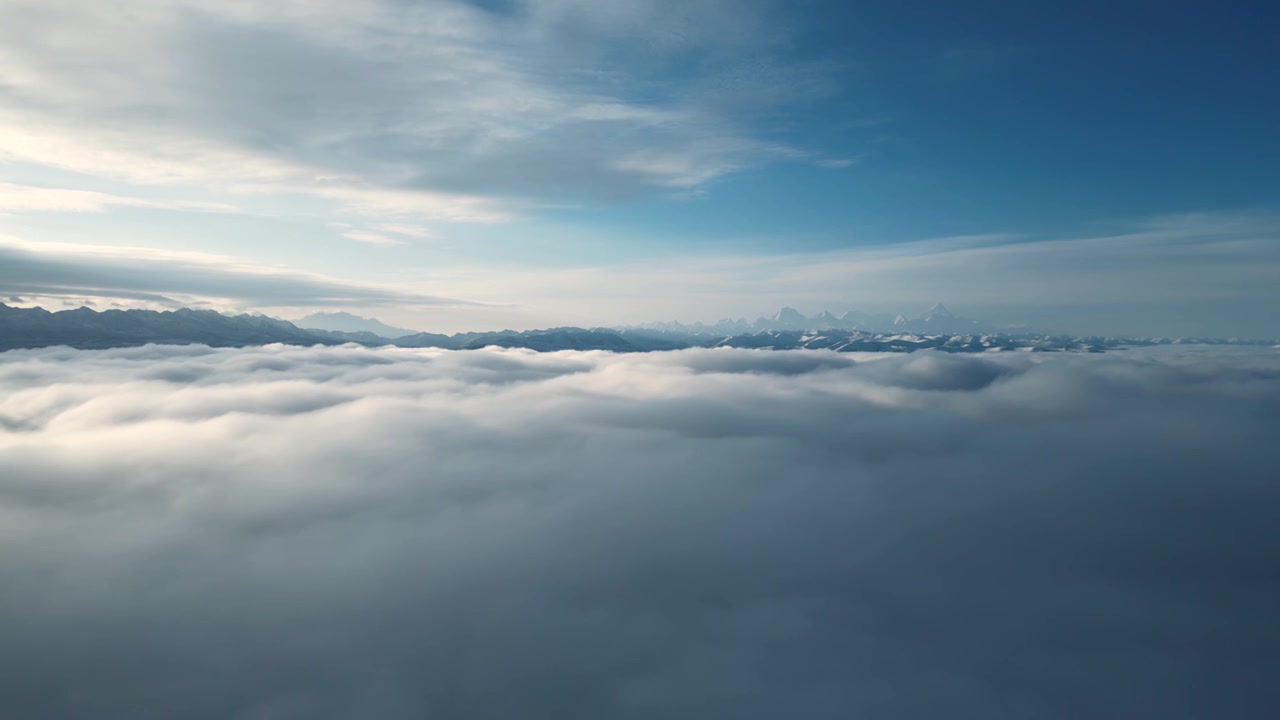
937	319
346	322
89	329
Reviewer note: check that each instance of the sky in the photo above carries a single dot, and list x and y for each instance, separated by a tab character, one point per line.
443	165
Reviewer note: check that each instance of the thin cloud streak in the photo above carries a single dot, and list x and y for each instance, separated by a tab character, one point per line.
371	238
16	198
63	270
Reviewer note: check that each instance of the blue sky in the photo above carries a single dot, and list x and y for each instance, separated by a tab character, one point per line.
1093	167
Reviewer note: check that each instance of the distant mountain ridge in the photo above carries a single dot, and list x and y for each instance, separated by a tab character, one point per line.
346	322
89	329
937	319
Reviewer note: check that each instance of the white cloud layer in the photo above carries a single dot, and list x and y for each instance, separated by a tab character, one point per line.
344	532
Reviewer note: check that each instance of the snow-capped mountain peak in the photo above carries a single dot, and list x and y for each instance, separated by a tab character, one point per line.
937	311
788	315
935	320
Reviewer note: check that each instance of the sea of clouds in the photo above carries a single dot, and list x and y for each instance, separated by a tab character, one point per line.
287	532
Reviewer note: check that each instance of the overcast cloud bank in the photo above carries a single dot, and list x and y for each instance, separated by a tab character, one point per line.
284	532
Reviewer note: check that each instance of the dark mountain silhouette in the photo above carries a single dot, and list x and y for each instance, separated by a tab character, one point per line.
88	329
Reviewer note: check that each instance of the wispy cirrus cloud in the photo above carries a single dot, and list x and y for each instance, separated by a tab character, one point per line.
410	231
16	198
371	238
435	110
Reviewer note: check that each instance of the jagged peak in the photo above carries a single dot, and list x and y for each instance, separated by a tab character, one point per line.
938	310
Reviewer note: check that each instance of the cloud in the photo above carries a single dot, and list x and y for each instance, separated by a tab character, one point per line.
435	109
27	198
409	231
345	532
371	238
170	278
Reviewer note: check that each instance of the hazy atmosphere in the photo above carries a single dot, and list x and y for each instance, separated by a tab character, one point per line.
639	359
